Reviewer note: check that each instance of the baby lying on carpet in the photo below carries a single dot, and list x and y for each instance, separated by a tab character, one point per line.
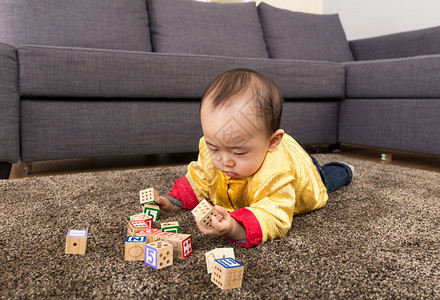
257	176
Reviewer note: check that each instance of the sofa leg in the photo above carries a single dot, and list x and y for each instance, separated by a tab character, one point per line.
5	170
334	148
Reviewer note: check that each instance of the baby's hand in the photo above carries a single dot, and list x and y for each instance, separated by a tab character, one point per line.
166	205
227	226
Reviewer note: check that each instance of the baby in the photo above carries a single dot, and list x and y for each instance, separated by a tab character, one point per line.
257	176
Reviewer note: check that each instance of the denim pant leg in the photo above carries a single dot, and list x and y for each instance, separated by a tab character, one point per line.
334	175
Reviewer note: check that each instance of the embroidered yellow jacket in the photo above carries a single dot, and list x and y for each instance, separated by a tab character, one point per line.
286	184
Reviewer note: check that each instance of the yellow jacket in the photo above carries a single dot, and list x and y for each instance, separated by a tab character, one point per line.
286	184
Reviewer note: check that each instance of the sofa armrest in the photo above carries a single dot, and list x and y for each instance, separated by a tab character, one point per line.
9	103
398	45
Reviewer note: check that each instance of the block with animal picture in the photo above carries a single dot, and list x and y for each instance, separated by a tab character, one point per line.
148	196
135	247
182	244
227	273
204	212
158	254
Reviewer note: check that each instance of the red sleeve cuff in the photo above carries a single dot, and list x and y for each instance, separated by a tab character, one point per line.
183	191
254	234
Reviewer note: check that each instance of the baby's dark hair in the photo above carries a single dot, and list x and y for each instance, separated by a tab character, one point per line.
253	86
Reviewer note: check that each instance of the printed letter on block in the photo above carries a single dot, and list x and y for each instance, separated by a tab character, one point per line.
76	241
227	273
158	255
134	247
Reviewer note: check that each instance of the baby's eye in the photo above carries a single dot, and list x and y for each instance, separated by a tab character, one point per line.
213	150
240	153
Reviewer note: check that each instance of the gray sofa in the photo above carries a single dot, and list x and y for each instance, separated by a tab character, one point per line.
124	77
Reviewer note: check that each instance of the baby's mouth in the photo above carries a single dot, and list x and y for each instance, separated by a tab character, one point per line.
230	174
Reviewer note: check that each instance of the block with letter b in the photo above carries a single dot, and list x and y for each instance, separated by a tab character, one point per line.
204	212
158	254
227	273
148	196
135	247
182	244
76	241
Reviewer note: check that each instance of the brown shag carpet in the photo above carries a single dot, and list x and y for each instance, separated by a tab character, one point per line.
377	238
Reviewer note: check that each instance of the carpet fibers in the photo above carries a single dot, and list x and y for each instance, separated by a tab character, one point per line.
376	238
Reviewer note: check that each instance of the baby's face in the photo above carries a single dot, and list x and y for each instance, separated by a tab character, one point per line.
236	138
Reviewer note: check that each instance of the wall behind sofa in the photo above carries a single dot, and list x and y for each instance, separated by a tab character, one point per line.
368	18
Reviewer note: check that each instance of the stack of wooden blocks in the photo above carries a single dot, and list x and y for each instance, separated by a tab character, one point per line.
159	247
156	247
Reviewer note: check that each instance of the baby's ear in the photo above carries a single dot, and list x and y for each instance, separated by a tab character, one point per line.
275	140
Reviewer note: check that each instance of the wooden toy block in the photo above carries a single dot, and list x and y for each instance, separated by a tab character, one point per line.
170	227
182	245
76	241
227	273
148	233
135	247
137	225
216	254
158	254
161	236
152	211
204	212
386	157
148	196
140	216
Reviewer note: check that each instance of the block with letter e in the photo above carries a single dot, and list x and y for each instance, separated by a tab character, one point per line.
76	241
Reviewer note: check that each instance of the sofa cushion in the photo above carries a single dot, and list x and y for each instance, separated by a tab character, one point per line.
415	77
70	72
187	26
296	35
109	24
404	124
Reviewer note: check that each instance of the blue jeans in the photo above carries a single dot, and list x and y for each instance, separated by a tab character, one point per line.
334	175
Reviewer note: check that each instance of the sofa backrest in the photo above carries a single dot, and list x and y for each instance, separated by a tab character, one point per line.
106	24
303	36
190	27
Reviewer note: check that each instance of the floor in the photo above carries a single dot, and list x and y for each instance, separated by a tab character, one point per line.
70	166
